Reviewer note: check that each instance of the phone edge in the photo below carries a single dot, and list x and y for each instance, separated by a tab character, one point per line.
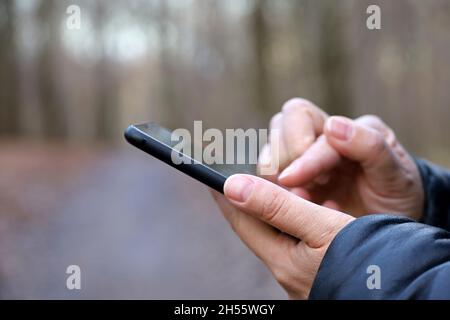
162	152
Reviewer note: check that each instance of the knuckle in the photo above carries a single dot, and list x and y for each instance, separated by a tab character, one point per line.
298	103
377	149
375	122
371	118
306	141
273	205
378	144
411	181
391	138
299	147
282	275
274	120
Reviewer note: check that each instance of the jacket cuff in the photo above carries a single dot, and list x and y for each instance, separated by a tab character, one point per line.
436	187
343	273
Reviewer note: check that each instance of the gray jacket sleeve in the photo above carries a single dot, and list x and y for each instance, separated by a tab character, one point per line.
411	260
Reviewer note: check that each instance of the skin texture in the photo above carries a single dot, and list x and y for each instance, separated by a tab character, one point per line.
327	166
356	166
289	234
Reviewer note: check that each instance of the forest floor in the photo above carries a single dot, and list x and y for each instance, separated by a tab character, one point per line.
136	227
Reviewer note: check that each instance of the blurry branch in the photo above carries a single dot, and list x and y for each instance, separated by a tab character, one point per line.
232	64
167	78
333	59
9	79
259	34
106	114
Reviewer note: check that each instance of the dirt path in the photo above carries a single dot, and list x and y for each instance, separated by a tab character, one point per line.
137	229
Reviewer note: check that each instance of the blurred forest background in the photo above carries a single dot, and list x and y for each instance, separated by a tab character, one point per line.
68	183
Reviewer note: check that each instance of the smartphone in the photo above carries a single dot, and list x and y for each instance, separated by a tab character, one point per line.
158	142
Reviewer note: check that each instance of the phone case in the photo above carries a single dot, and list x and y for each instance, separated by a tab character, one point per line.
163	152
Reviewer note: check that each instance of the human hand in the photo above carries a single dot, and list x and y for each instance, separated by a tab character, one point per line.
355	166
289	234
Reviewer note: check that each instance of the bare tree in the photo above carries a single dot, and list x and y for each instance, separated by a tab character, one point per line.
333	58
106	111
9	93
259	33
51	103
170	102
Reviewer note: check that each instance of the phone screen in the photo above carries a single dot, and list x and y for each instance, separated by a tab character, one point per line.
166	137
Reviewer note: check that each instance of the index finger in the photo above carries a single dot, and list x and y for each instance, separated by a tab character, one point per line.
302	123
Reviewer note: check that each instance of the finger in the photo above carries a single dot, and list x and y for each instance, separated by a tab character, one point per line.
278	151
264	156
264	167
265	241
323	157
302	122
363	144
319	159
378	124
313	224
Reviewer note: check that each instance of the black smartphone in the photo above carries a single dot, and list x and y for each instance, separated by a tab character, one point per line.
158	142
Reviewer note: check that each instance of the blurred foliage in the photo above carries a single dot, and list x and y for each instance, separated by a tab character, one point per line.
139	228
229	63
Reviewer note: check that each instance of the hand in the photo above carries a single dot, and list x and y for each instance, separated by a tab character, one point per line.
289	234
355	166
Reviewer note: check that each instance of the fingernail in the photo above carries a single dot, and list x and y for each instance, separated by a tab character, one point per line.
341	129
289	170
239	188
264	158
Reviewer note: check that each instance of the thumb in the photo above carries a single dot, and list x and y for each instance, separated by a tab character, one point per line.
361	142
314	224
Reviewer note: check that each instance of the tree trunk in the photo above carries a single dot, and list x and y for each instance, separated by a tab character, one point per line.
259	33
333	59
9	80
106	114
51	104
